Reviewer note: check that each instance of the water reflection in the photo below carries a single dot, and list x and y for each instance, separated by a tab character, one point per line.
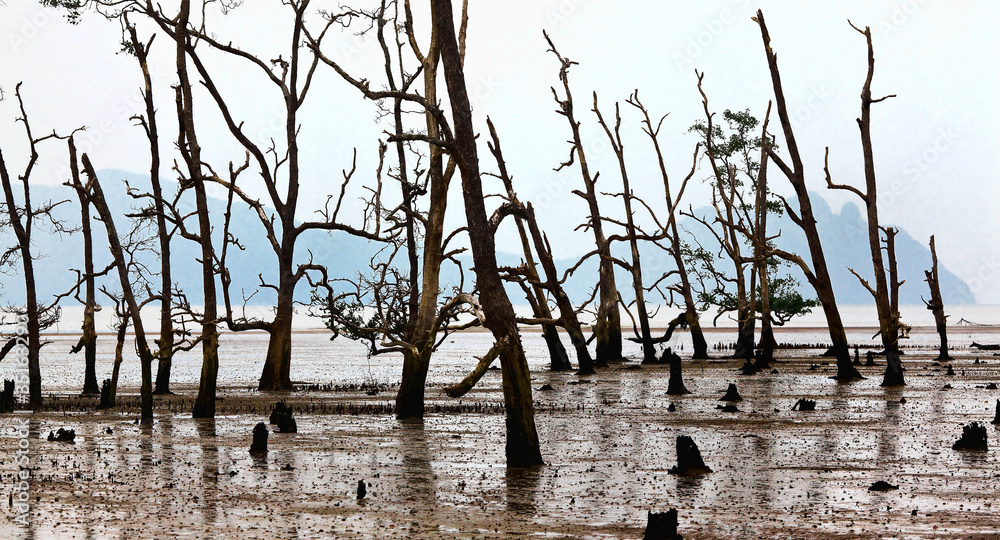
210	471
521	491
419	485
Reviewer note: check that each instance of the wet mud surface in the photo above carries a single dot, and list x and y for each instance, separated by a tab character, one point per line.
608	441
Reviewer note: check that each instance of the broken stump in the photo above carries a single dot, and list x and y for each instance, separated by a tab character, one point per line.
675	386
996	417
973	438
259	445
804	404
105	395
688	458
882	485
661	526
362	491
7	397
282	417
731	394
63	435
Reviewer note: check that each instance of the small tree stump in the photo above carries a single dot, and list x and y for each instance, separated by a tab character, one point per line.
661	526
63	435
804	404
973	438
688	458
282	417
105	395
7	397
362	490
675	386
731	394
259	445
996	417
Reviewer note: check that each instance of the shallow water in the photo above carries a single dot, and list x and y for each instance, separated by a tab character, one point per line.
608	444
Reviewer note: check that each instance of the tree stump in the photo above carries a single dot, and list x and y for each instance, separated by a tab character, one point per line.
259	445
282	417
973	438
661	526
996	417
7	397
362	490
731	394
63	435
688	458
105	395
675	386
804	404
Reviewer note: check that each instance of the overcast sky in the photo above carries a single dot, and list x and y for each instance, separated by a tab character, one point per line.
936	143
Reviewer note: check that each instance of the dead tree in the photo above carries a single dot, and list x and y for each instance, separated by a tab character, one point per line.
817	275
23	218
675	248
607	327
423	329
157	211
634	266
96	197
567	314
936	304
522	448
885	292
536	286
278	168
88	341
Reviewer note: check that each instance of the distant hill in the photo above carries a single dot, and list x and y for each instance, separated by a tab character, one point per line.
845	244
844	239
343	253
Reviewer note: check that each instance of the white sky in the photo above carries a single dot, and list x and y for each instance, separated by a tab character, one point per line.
936	143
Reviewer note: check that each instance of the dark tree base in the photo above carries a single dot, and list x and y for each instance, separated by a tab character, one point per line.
732	394
662	526
973	438
259	445
689	459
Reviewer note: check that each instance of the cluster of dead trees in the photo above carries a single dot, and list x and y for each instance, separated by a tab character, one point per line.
401	304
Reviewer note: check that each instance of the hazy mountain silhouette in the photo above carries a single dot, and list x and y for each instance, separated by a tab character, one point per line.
844	239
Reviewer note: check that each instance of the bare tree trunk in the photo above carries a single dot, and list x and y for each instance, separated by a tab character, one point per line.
760	261
187	142
818	276
134	309
557	352
566	312
522	447
635	268
276	376
88	341
165	343
416	360
936	304
22	232
608	326
119	356
886	295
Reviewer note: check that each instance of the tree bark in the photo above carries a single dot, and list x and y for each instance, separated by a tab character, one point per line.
522	447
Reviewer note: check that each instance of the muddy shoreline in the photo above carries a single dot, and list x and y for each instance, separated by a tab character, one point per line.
608	442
